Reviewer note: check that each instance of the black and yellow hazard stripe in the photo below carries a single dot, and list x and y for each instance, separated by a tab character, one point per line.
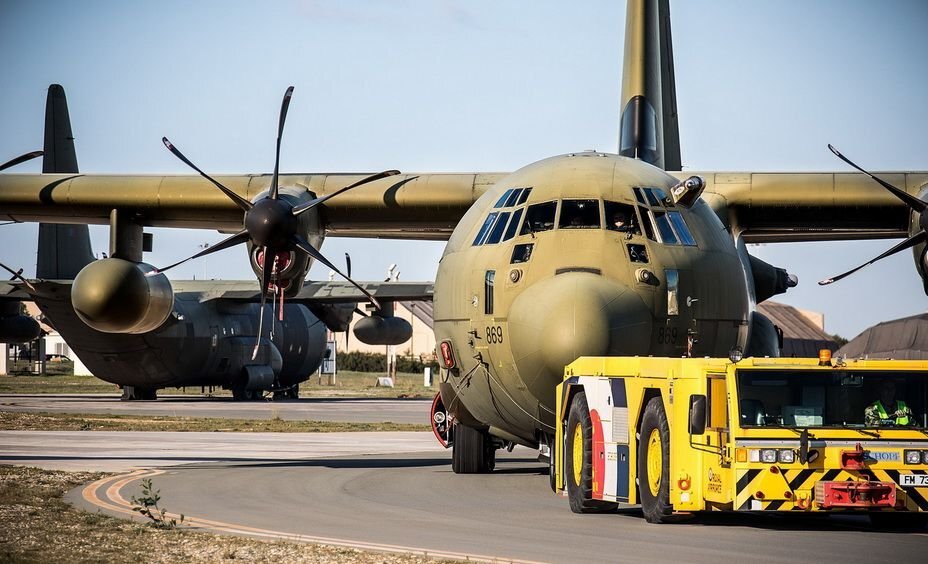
802	484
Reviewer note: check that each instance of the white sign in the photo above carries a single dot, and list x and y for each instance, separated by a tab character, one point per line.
913	480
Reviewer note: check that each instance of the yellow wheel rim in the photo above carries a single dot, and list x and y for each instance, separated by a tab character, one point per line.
655	462
578	453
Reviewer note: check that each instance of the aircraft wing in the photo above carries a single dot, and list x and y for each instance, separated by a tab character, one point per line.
762	206
334	292
769	207
408	206
12	292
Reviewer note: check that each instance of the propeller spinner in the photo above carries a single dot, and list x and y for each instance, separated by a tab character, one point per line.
271	223
915	204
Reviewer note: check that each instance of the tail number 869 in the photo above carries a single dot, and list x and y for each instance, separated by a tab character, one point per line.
494	334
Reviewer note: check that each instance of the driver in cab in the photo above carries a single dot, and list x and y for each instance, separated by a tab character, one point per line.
887	409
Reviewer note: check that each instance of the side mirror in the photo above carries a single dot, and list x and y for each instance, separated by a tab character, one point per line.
697	414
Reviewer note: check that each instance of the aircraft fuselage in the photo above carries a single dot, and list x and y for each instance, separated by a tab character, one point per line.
206	343
519	302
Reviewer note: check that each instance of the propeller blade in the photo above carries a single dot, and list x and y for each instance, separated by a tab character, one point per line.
910	200
18	275
297	210
284	106
348	263
266	268
304	246
21	159
916	239
239	201
240	237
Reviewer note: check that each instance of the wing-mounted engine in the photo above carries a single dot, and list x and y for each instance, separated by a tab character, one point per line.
290	266
769	280
15	326
382	327
115	295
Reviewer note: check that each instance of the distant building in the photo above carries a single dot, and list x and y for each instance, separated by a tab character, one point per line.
803	331
900	339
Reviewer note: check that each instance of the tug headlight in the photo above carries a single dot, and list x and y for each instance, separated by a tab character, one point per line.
787	456
768	455
913	456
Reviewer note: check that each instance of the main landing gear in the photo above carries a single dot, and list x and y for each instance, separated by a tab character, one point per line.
473	451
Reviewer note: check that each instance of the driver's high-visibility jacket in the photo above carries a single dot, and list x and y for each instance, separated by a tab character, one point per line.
876	413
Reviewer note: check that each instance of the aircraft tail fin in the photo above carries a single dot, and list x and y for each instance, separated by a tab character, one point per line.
63	249
649	129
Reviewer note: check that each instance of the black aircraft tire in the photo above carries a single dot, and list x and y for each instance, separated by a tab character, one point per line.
472	451
654	442
580	483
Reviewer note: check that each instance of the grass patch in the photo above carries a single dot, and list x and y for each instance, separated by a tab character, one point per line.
347	384
39	526
38	421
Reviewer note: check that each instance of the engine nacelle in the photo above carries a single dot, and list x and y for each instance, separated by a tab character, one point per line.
377	330
117	296
19	329
292	265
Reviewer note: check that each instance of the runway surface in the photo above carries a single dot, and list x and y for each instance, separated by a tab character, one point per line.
413	502
396	491
351	410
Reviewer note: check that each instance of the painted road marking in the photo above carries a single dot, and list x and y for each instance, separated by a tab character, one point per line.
114	501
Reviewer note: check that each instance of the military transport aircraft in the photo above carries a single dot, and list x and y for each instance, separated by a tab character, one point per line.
145	335
586	253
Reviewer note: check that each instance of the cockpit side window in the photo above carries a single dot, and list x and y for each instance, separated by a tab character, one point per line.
621	217
680	227
539	217
579	214
513	198
497	233
502	199
646	221
524	196
513	225
485	229
661	212
663	226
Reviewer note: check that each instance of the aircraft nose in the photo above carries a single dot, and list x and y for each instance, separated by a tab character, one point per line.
571	315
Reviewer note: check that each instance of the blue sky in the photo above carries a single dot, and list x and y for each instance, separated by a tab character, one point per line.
428	86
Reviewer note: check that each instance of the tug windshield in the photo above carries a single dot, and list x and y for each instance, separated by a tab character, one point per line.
835	398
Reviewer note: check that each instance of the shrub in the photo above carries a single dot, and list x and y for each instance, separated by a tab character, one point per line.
377	362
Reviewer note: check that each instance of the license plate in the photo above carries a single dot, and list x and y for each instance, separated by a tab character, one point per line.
913	480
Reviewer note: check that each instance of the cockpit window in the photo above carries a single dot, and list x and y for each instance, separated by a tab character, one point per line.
579	214
497	233
680	227
663	226
485	229
669	223
653	201
524	196
621	217
514	197
646	221
502	199
513	225
539	217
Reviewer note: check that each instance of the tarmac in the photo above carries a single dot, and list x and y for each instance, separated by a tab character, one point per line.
396	492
